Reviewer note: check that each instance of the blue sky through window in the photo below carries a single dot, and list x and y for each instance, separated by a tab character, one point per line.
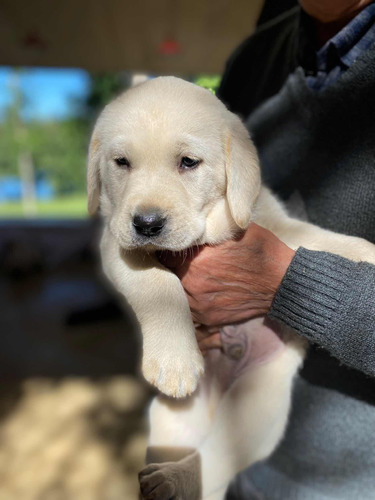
50	92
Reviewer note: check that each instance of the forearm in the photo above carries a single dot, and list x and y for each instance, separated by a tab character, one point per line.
330	301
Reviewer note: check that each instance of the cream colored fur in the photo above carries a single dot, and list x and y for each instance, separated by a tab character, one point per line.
154	125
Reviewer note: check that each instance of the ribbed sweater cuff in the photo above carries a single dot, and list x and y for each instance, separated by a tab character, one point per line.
310	295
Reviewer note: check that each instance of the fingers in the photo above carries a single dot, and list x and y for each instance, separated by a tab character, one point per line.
203	331
212	342
208	338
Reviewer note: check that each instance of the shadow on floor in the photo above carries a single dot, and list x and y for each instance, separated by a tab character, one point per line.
72	406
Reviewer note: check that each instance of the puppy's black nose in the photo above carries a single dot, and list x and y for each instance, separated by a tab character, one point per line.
149	223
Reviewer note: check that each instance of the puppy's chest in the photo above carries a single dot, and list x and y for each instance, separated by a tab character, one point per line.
245	346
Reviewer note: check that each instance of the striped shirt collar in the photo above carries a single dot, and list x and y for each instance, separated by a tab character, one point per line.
349	43
342	49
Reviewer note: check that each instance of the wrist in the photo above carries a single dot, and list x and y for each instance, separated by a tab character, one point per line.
275	258
282	258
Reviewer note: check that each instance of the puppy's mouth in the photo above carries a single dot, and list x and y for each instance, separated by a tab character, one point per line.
171	242
168	240
149	244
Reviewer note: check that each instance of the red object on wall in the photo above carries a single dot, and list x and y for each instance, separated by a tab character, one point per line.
33	40
169	47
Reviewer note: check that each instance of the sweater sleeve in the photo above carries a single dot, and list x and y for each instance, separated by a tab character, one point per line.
330	301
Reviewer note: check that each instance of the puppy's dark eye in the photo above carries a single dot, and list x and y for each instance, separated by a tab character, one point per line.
122	162
187	162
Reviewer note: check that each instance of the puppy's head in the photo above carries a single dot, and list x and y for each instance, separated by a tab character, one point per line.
162	155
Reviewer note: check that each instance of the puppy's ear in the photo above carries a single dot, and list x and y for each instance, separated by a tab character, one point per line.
242	170
93	176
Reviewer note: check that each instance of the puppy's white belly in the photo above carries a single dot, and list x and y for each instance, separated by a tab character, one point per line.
245	346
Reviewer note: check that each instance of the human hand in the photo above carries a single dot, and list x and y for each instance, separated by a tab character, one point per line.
208	338
234	281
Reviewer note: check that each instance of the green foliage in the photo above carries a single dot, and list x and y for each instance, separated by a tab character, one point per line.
103	87
58	148
210	82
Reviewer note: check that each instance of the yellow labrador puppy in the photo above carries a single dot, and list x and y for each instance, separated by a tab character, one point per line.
172	168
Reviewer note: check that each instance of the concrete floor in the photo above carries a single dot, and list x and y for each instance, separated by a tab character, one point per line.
72	405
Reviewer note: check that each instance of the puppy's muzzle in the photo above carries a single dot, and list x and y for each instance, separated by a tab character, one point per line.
149	223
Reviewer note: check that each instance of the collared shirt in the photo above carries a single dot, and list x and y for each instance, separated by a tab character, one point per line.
342	50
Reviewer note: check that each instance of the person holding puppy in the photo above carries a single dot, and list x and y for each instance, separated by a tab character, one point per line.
304	83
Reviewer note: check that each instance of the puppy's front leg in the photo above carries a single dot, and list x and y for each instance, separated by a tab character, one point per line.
171	357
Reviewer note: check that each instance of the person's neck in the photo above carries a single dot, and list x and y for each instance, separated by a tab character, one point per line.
325	31
327	22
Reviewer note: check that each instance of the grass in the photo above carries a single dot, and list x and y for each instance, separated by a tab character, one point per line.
72	206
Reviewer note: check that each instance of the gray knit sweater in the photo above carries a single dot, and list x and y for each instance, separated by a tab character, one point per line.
321	146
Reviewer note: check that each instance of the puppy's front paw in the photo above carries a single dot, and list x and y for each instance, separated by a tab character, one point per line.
175	376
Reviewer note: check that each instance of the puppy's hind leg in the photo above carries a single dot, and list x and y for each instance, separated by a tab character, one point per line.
178	427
